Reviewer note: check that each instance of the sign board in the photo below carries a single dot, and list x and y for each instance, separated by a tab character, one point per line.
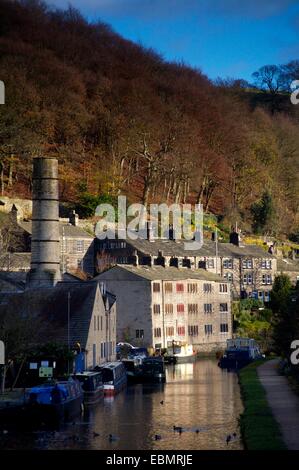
33	366
2	353
46	372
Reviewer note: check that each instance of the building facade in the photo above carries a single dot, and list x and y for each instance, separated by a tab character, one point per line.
157	305
249	269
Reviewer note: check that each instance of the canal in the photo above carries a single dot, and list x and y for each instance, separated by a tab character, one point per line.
201	398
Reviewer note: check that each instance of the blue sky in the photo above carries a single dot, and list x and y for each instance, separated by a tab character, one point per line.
225	38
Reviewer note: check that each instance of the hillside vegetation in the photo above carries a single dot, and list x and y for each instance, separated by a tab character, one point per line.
123	120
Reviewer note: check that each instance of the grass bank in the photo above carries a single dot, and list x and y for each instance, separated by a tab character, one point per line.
259	429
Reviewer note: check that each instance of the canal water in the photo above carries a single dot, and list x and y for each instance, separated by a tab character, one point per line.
197	396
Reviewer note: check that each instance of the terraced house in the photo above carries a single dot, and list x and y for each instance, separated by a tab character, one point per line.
249	269
157	305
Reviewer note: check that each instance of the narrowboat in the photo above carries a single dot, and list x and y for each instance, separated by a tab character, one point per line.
179	353
149	369
55	401
239	353
114	377
92	386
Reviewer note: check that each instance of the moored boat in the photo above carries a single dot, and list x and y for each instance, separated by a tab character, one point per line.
179	353
239	353
114	377
92	386
55	401
149	369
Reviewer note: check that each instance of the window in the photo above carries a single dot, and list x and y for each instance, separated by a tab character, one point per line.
98	323
168	309
267	279
247	264
248	278
181	330
169	331
228	264
102	351
180	308
122	259
80	246
193	308
193	330
228	276
266	264
157	332
95	323
79	263
156	308
180	287
223	308
223	327
207	288
207	308
139	334
210	263
168	287
208	329
192	288
101	323
156	287
223	288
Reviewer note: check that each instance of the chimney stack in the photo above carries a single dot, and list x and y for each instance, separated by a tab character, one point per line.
74	219
45	242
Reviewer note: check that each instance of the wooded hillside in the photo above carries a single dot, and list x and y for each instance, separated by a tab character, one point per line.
123	120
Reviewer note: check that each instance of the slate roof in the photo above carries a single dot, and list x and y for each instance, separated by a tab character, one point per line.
177	248
67	230
153	273
52	306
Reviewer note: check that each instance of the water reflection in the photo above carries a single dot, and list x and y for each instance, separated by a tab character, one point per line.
197	397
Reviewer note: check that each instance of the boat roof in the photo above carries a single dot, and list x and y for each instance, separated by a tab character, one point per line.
110	365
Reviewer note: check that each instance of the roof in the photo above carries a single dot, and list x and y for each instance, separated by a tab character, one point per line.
51	305
154	273
176	248
66	230
287	265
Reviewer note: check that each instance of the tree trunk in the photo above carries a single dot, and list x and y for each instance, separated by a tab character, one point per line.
2	177
10	174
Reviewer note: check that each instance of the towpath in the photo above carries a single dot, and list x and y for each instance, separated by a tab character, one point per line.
283	402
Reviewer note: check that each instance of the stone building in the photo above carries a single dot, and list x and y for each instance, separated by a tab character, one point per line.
81	315
156	305
76	313
249	269
76	246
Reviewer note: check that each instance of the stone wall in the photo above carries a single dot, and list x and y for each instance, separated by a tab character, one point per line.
24	206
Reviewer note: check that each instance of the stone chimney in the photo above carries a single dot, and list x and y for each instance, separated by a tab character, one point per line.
74	219
235	239
45	242
13	213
